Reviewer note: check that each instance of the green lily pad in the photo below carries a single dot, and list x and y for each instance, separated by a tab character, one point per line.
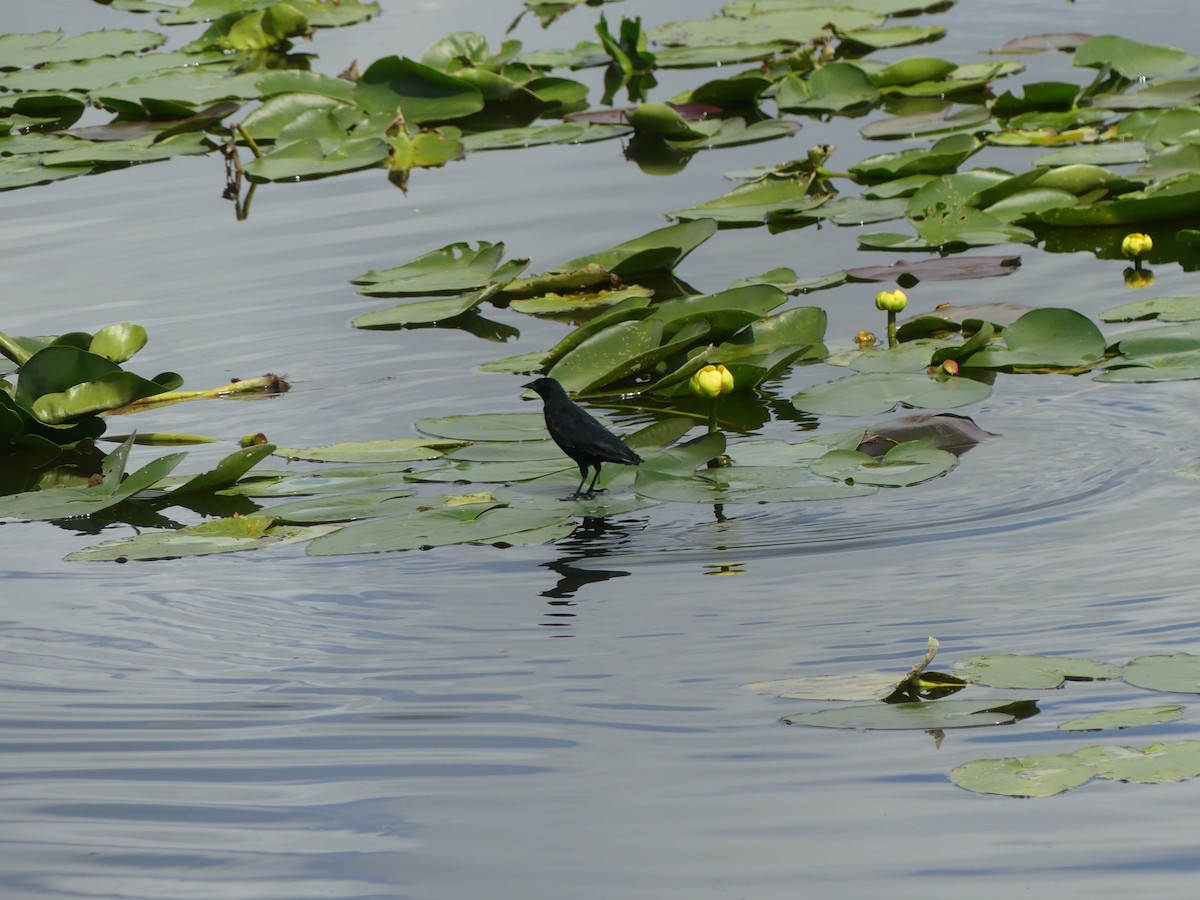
345	507
338	480
1177	673
1155	764
660	250
453	268
1166	309
216	536
831	88
1033	776
751	204
791	26
1006	670
1117	719
1132	59
472	523
394	450
71	502
946	155
906	464
936	715
844	688
423	312
487	427
423	94
20	51
226	473
306	159
872	394
1044	338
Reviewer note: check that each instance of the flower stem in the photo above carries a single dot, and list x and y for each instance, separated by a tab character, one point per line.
891	331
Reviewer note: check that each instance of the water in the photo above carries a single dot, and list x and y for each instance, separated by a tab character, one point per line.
565	721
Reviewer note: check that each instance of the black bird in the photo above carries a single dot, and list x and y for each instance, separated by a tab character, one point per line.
579	435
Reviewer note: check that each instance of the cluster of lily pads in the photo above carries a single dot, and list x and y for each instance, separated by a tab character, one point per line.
911	703
640	333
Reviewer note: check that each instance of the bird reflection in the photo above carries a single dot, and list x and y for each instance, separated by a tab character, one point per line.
596	537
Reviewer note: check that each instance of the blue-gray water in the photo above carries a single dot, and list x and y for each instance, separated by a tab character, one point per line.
567	721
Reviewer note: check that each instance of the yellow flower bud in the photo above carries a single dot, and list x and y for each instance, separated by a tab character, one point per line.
891	301
707	382
865	340
712	382
1136	245
726	380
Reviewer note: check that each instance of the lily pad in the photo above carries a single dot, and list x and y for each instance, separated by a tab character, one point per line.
906	464
216	536
936	715
487	427
1166	309
394	450
1136	717
455	267
1132	59
845	688
1032	672
1177	673
872	394
1033	776
472	523
1044	338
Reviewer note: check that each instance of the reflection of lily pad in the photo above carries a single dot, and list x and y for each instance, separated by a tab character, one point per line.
939	714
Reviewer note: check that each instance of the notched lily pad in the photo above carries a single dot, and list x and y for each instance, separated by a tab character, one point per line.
1030	672
1119	719
1177	673
934	716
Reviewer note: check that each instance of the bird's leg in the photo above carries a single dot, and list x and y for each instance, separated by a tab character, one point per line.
592	487
582	478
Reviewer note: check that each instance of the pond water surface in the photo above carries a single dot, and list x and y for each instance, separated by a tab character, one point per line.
568	720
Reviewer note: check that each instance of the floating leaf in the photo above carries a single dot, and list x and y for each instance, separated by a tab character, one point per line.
1155	764
1033	776
216	536
423	312
871	394
1044	338
226	473
950	268
1132	59
1006	670
936	715
1118	719
1177	673
439	527
751	204
453	268
906	464
1166	309
487	427
394	450
845	688
792	26
660	250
